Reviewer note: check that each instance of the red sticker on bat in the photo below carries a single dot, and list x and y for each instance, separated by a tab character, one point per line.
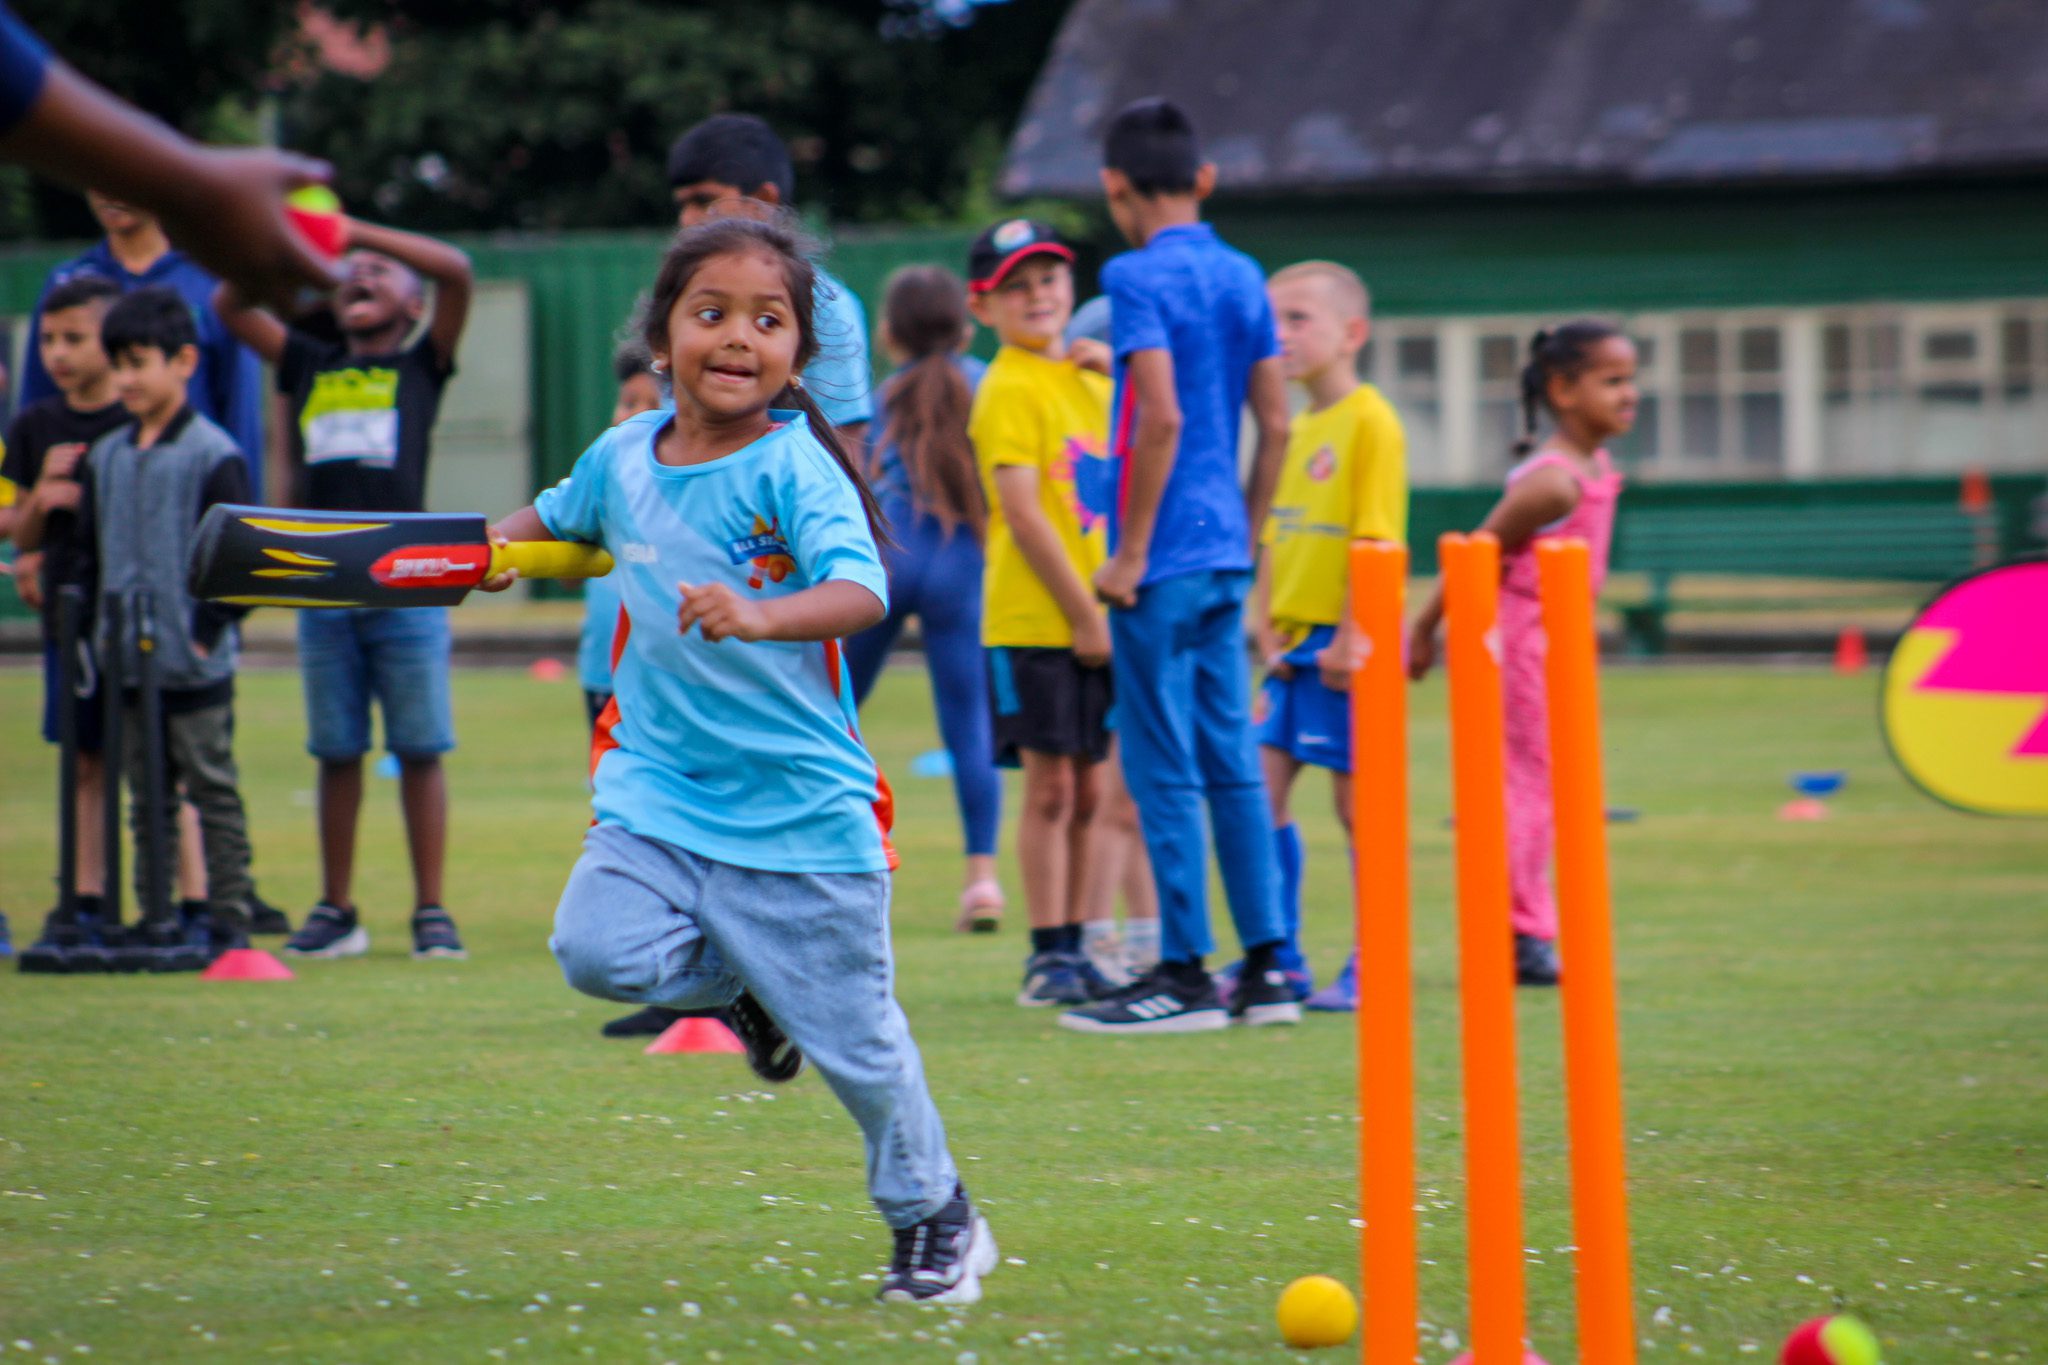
433	566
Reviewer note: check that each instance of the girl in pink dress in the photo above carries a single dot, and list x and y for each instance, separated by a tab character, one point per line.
1584	375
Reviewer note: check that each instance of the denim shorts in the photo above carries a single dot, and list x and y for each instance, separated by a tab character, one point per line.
399	656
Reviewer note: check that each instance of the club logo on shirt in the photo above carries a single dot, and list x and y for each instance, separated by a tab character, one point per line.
637	552
1086	467
766	550
1322	465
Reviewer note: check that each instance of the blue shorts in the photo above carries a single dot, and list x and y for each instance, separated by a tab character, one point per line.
1300	716
399	656
85	701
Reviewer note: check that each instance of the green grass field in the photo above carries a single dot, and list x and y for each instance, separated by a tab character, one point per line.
1835	1034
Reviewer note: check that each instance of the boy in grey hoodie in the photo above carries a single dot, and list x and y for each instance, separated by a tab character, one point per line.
146	485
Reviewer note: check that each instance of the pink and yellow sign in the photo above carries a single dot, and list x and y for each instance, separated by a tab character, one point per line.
1966	693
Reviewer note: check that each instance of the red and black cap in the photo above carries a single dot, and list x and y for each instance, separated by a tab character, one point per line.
999	250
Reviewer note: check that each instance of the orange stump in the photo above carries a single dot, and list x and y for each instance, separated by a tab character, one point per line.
1586	940
1486	964
1386	1044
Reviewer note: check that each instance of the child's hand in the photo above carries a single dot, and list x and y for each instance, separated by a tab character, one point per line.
498	582
1091	641
60	462
720	613
59	494
1338	660
1116	582
1421	650
28	578
1090	354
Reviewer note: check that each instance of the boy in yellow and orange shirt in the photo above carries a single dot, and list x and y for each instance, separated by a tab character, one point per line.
1345	478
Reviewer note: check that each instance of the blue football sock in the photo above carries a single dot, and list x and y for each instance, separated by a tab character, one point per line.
1288	854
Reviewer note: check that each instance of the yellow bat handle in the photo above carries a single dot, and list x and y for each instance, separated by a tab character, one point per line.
550	559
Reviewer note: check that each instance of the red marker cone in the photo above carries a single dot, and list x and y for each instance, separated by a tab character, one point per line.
695	1035
246	964
1851	653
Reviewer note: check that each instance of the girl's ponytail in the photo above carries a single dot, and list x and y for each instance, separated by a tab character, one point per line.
798	397
925	409
1555	353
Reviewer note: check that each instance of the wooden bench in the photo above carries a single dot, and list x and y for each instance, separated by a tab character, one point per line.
1894	541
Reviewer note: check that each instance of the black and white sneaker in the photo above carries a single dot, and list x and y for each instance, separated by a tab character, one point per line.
942	1259
1164	1000
329	931
1264	995
433	934
769	1052
1536	961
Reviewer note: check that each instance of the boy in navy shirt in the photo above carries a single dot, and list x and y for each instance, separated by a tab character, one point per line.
1194	340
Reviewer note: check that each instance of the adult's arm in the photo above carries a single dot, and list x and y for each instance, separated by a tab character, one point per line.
1154	444
223	207
1267	393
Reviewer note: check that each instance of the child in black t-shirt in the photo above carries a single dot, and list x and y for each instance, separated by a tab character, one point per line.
46	448
363	414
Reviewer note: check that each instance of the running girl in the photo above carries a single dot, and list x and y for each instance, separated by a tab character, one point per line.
740	857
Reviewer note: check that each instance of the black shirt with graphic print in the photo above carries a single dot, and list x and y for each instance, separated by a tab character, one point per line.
37	431
361	424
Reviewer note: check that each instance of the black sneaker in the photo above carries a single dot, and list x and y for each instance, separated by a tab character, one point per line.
1264	995
1093	979
329	931
63	946
1161	1001
769	1052
1050	979
266	919
1536	961
6	937
642	1023
942	1259
170	946
433	934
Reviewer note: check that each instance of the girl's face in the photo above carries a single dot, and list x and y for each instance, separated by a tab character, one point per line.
732	335
1601	398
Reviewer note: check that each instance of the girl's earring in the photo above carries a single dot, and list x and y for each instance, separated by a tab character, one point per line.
796	381
658	366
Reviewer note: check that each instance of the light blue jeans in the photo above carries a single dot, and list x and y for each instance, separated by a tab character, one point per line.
647	923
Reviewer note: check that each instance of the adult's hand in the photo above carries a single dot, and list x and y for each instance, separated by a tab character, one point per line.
235	225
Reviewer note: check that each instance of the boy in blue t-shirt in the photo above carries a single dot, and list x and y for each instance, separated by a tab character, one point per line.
1194	340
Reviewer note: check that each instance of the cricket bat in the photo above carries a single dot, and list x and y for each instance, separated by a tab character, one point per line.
284	557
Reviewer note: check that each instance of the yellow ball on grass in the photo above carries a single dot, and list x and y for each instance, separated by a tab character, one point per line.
1317	1311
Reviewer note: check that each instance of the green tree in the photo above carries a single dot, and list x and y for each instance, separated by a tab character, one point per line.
202	66
522	114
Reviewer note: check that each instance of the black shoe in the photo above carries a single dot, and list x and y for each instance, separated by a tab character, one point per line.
1050	979
266	919
170	945
942	1259
642	1023
1164	1000
127	951
329	931
6	937
769	1052
1264	995
65	946
433	934
1536	961
1097	985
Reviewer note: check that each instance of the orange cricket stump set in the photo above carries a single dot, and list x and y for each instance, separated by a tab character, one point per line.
1385	1021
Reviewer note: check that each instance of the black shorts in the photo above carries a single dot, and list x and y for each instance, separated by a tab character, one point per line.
1046	701
84	700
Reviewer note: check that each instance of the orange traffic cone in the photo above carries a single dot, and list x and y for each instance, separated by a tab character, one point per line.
246	964
1851	653
695	1035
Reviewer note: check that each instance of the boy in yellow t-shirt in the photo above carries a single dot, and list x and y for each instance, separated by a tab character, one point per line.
1039	425
1345	478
